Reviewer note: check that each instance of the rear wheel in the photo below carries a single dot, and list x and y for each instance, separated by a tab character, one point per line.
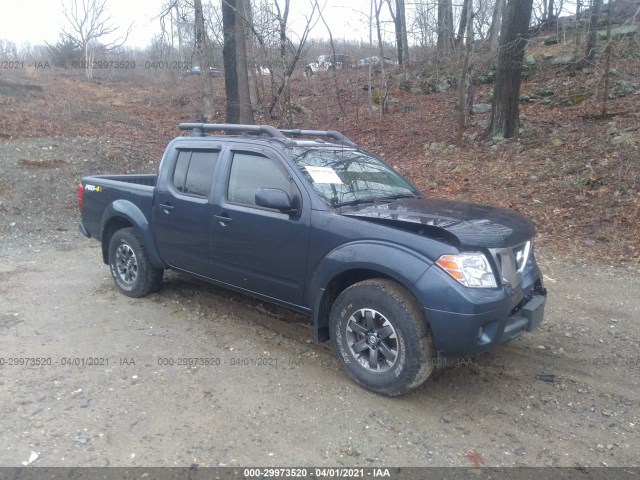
380	337
131	268
308	71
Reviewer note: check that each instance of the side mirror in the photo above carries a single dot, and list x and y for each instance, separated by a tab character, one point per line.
276	199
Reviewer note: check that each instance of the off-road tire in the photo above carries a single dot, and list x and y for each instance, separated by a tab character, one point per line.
131	269
381	337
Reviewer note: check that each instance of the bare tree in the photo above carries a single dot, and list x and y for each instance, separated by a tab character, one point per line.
230	66
203	59
464	93
494	30
242	32
333	55
506	90
177	21
445	28
399	18
89	24
551	14
592	36
385	94
422	24
173	13
607	65
289	52
402	15
462	25
283	17
576	40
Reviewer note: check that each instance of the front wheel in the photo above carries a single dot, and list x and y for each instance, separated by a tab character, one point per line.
380	337
131	268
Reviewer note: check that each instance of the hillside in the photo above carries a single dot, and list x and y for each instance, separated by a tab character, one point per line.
575	173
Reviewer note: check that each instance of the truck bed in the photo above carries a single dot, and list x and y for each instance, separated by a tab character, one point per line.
101	191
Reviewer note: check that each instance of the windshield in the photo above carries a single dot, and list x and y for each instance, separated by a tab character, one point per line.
347	176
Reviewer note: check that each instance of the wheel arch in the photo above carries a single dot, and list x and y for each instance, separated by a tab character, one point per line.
124	214
346	266
113	225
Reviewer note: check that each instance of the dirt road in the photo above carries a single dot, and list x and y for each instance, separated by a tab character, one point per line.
199	375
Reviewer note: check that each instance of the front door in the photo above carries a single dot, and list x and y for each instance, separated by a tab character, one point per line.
255	248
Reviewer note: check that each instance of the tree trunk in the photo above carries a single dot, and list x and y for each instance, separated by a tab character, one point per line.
464	95
229	57
494	32
506	90
592	36
397	23
607	65
334	73
445	28
400	23
576	38
370	69
179	29
550	15
203	59
252	65
385	93
283	18
462	26
242	31
405	36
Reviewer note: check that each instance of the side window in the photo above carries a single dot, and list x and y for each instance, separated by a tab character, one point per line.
250	172
193	174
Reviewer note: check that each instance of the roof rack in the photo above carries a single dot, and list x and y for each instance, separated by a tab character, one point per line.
321	133
199	129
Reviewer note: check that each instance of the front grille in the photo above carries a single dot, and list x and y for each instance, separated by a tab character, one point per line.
511	262
521	254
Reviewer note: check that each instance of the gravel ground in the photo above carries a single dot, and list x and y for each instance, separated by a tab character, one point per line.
119	386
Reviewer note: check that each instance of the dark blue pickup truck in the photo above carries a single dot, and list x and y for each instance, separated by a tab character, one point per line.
306	219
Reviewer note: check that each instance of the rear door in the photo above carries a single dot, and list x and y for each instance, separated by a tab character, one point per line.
183	209
259	249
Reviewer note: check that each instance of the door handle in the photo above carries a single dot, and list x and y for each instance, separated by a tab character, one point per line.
223	219
166	207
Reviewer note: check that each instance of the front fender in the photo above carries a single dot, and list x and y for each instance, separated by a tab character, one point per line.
380	258
120	211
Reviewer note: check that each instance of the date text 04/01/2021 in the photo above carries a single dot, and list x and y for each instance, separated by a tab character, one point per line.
316	472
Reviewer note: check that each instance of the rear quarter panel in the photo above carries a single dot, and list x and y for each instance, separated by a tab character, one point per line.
119	198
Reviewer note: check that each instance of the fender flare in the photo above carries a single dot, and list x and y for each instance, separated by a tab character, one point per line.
389	260
130	213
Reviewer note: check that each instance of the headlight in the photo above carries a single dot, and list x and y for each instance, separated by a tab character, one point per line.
470	269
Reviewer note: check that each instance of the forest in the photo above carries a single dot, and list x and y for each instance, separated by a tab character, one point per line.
469	99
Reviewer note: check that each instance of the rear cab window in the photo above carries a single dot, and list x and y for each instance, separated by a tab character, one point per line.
193	172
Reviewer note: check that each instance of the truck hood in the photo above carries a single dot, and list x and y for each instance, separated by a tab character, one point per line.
459	223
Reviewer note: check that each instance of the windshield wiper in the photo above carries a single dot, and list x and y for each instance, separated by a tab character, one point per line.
398	196
357	201
387	198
